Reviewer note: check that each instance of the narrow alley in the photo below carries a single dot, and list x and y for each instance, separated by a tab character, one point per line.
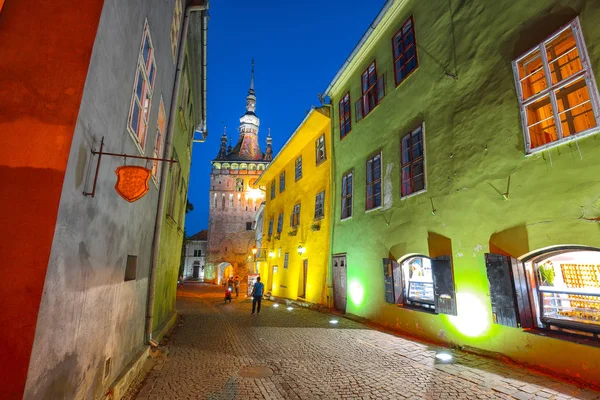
221	351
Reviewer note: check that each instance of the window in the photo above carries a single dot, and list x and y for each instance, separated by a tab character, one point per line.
413	162
159	141
222	201
374	182
347	196
272	190
286	258
270	227
421	282
558	290
174	182
345	117
231	200
282	182
319	205
239	185
215	200
141	100
405	51
320	149
182	202
280	223
373	90
130	268
298	169
248	226
175	28
295	217
556	88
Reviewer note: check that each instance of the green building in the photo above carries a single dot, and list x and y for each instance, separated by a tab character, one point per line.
188	126
464	212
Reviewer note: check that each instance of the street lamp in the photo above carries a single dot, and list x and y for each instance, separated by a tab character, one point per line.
254	251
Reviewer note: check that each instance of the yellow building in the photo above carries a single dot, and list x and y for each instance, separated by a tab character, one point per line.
296	216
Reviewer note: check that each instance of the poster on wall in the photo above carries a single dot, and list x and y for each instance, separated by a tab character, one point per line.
251	281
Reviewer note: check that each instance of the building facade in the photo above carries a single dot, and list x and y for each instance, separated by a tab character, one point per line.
195	257
465	198
233	200
295	238
110	71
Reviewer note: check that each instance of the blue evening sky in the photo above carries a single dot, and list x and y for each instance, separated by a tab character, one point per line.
298	46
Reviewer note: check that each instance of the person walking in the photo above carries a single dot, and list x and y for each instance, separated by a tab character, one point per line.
236	285
257	292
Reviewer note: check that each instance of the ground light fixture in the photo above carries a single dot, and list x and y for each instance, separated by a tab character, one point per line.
290	308
443	356
275	305
333	321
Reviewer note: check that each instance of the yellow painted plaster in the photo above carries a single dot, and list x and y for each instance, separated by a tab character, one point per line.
285	282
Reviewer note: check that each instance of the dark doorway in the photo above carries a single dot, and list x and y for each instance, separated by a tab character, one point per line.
339	282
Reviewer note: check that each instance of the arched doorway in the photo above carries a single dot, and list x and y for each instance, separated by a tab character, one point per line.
225	271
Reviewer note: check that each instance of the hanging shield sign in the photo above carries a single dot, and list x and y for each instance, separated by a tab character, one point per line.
132	182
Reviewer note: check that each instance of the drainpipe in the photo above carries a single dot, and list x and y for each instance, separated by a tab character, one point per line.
164	168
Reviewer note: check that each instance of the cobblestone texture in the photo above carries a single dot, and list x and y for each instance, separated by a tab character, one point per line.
313	359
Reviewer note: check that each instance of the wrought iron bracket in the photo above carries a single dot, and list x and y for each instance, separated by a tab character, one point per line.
101	153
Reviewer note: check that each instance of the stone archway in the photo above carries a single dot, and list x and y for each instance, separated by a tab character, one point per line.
225	270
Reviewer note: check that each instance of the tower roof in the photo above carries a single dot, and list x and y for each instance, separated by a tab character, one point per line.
247	147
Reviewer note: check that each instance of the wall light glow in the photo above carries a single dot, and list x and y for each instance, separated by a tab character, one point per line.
473	316
357	292
254	194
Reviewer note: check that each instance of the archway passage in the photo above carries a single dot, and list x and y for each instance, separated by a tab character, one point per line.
225	270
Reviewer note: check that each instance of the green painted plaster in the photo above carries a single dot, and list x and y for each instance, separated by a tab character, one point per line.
474	143
171	237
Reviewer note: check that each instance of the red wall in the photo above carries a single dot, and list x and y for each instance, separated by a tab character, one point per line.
45	48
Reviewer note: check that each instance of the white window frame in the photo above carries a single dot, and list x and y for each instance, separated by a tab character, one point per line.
342	218
586	73
138	136
424	190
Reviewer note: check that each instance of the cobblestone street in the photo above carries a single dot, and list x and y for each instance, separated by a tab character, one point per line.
307	357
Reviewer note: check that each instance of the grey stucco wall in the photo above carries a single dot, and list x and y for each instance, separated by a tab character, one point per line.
88	312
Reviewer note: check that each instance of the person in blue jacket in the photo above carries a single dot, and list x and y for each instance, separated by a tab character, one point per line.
257	292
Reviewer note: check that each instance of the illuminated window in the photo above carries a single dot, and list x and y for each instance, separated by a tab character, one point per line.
319	205
347	196
282	182
373	184
422	283
159	141
298	168
557	290
320	149
176	28
556	88
405	51
231	200
295	217
345	117
141	100
413	163
239	185
373	90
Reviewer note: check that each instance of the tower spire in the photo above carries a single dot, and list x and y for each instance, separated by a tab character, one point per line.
252	79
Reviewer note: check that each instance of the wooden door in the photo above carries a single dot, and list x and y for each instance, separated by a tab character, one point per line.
339	282
302	279
270	279
196	273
